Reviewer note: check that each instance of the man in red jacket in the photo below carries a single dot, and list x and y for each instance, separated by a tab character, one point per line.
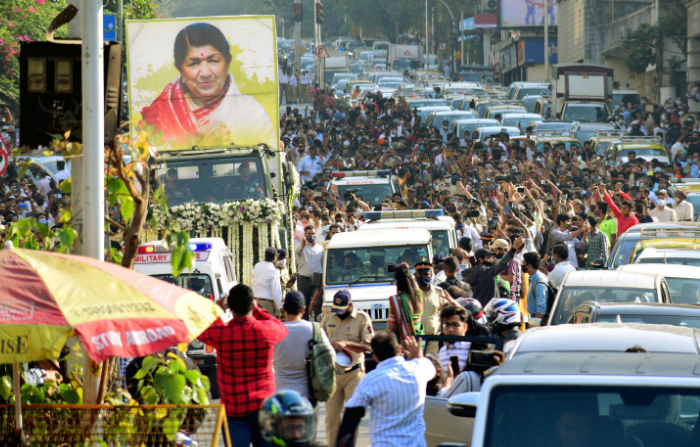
244	351
625	218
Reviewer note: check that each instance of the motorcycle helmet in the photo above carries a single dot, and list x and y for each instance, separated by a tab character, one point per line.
474	307
503	313
287	419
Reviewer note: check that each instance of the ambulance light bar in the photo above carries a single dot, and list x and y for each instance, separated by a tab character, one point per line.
379	173
201	246
403	214
159	247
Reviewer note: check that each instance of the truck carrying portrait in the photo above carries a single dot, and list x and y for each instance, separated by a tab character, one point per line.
206	82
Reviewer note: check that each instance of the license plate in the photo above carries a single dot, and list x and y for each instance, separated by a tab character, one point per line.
377	311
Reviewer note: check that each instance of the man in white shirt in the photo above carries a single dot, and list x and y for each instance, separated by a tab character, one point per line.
310	165
62	173
293	94
267	287
662	212
684	210
304	82
309	261
439	275
283	80
560	254
562	235
395	393
453	320
44	184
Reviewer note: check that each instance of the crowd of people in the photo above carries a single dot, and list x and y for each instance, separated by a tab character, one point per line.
524	218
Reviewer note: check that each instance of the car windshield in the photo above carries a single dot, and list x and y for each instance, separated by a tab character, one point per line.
437	122
553	125
672	320
624	252
572	297
212	180
693	199
597	415
567	145
471	127
441	242
518	122
643	152
196	283
523	92
601	148
370	194
405	64
476	77
586	113
584	135
529	103
369	264
695	262
483	107
626	98
461	90
433	102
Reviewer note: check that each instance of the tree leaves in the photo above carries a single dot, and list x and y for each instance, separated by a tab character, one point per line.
181	257
5	387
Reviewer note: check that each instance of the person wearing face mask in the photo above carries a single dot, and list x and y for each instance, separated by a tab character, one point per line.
246	186
309	256
481	276
662	212
684	210
350	331
310	165
434	299
281	265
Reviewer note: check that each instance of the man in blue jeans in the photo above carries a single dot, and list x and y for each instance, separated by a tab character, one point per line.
244	350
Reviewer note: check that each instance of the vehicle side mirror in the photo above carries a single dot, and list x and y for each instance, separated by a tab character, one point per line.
317	280
463	405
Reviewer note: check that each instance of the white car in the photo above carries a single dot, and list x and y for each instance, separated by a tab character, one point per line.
677	256
683	280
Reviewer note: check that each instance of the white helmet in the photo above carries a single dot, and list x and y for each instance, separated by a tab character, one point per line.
502	311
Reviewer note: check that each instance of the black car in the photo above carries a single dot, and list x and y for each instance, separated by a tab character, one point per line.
682	315
624	249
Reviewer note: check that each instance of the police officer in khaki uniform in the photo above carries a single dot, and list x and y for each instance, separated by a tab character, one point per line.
434	299
350	331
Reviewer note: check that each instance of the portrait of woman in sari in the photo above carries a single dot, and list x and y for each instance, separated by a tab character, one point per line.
204	106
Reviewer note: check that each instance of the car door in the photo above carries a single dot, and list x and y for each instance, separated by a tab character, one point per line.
441	426
665	293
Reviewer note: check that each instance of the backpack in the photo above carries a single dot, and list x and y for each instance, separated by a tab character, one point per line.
320	367
552	292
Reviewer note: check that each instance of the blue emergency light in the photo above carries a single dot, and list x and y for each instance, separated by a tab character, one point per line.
200	246
403	214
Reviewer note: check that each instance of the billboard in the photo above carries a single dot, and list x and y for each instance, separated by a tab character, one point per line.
204	82
527	13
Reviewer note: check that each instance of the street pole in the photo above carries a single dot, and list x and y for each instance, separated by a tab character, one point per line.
120	25
461	38
432	26
93	150
427	47
320	63
297	43
546	41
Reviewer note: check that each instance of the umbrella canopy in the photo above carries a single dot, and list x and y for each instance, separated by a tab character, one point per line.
114	311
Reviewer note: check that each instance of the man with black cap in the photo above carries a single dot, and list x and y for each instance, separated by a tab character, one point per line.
267	285
290	354
350	332
481	276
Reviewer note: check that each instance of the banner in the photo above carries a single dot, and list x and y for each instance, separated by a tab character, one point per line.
206	82
526	13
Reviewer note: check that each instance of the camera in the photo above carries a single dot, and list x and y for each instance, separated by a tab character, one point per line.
391	268
472	211
505	178
520	189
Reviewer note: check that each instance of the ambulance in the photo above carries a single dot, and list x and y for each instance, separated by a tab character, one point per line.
212	275
359	261
372	186
442	228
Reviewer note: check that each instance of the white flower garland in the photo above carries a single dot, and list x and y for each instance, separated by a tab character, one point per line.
240	217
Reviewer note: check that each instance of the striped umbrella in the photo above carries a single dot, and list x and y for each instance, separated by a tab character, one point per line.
114	311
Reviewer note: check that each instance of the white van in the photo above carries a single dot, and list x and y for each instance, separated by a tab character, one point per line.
358	260
442	228
212	275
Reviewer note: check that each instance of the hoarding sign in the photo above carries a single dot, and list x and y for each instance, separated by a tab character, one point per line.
526	13
204	82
